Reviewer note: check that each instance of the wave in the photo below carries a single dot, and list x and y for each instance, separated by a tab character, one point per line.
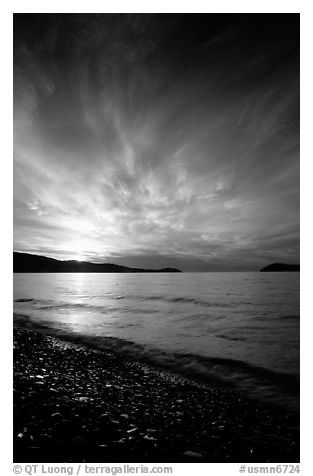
257	382
46	305
177	300
231	337
43	305
290	317
25	300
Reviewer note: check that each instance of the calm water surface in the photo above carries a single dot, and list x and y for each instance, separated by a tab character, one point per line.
240	329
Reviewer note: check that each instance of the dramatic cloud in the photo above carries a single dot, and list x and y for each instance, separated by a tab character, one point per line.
157	140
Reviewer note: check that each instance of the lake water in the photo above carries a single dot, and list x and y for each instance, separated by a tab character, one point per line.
239	330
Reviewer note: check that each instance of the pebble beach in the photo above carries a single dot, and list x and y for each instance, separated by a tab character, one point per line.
76	404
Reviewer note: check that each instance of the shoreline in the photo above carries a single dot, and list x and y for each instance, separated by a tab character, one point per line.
75	404
209	371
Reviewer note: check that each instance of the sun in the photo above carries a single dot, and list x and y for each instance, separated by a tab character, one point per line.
79	250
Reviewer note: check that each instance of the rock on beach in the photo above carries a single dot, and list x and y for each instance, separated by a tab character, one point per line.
73	404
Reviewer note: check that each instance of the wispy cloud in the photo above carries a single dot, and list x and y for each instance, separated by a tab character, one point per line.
140	136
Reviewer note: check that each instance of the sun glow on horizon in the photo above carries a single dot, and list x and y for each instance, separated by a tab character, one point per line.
77	252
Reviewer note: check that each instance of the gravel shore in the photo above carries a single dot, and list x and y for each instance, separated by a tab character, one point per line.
73	404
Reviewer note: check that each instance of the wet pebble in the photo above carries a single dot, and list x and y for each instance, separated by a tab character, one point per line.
192	454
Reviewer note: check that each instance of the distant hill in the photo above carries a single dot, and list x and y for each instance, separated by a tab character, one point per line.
281	267
27	263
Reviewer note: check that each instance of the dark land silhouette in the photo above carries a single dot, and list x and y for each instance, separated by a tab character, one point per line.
280	267
28	263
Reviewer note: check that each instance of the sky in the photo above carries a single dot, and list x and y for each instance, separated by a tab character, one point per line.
157	140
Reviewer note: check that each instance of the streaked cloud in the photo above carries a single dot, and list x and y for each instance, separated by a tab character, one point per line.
157	139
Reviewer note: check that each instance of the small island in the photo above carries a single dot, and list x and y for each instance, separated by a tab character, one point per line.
28	263
280	267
